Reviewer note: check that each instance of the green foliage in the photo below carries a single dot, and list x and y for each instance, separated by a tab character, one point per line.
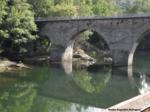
45	104
18	97
135	6
2	10
90	83
84	8
85	35
74	7
41	8
17	23
89	7
3	13
20	22
68	2
106	8
64	10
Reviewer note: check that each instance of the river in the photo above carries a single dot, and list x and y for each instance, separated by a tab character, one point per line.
47	88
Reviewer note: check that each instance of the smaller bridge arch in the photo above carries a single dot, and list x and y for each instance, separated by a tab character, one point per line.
136	45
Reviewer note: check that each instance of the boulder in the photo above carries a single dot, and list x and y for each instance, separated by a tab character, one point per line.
79	53
6	65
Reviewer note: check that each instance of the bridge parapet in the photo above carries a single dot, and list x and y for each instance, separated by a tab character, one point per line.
75	18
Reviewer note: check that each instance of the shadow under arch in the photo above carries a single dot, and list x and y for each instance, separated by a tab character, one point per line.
135	46
45	40
76	36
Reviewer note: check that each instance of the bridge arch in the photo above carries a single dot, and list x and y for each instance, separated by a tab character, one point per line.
136	45
99	34
100	47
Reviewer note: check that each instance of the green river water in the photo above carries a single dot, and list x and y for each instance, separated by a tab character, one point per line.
50	89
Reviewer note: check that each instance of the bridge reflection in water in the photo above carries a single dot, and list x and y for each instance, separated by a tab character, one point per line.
51	89
103	88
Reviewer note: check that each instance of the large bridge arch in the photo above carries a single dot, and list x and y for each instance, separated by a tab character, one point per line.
137	42
68	52
74	35
100	35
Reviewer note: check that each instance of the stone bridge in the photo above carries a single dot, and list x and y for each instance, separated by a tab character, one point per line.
121	34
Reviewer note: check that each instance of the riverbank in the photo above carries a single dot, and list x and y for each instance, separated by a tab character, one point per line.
7	65
80	59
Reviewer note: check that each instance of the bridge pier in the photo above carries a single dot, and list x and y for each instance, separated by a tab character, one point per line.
62	53
68	52
56	53
119	57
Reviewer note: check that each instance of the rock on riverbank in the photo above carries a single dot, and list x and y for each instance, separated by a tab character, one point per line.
7	65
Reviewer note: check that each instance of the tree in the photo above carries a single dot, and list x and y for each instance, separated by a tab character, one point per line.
105	7
135	6
41	8
64	10
3	13
84	8
44	8
18	25
2	10
68	2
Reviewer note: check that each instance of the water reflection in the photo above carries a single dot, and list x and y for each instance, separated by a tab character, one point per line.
88	87
145	83
55	105
131	77
48	89
141	68
17	97
92	82
67	66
